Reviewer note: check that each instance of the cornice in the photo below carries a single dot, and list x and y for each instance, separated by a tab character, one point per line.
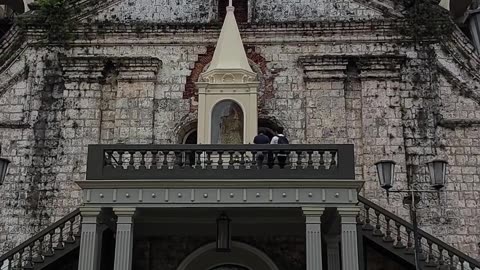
328	67
129	68
227	183
463	53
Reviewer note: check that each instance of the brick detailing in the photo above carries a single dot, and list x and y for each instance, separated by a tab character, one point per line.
260	66
191	89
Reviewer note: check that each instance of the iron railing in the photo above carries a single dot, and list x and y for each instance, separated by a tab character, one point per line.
121	162
397	232
44	244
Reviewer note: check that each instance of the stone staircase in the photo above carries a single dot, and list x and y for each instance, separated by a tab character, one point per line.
375	224
396	236
46	247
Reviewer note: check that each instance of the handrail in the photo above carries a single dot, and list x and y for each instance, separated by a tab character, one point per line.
430	238
44	241
219	161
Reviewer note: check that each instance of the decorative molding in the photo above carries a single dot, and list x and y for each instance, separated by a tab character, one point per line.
465	89
224	196
209	220
334	67
222	183
129	68
15	125
15	78
460	123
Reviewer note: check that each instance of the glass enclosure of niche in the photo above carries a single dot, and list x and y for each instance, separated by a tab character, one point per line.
227	123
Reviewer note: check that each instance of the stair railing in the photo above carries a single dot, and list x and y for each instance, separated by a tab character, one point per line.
398	232
43	244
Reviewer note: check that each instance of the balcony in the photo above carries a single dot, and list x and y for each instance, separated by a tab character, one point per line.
161	162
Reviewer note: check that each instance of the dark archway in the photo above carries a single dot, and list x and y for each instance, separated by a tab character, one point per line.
191	137
268	126
187	135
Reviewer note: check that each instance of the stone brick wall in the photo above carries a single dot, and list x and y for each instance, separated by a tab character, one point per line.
311	10
193	11
202	11
357	84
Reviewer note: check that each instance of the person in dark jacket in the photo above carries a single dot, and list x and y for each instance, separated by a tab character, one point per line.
261	138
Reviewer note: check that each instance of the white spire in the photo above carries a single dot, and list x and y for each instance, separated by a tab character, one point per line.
229	53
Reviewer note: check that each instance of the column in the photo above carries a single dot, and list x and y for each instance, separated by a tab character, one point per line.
89	240
333	251
349	238
313	236
124	238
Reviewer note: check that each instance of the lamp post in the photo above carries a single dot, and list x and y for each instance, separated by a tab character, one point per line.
3	168
386	176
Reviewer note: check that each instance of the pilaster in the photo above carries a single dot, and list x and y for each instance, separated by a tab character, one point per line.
313	235
89	243
333	251
349	237
124	238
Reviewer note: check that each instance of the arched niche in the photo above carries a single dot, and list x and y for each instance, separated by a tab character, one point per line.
241	255
187	132
227	123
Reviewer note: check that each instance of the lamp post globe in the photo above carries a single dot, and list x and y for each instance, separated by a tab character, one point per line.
437	170
3	169
386	173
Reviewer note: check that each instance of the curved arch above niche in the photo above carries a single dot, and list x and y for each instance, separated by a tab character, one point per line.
243	255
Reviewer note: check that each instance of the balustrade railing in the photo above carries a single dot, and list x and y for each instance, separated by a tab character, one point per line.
393	230
44	244
120	162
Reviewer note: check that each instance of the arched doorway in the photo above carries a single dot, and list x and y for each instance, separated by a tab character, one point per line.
187	134
190	137
241	257
268	126
229	267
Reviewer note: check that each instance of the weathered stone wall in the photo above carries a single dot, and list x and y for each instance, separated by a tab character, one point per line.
192	11
203	11
353	86
311	10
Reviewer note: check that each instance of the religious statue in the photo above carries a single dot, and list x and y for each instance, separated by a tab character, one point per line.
231	127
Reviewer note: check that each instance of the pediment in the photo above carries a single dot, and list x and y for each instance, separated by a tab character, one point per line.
201	11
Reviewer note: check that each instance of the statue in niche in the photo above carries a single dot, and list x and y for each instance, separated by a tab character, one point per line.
231	125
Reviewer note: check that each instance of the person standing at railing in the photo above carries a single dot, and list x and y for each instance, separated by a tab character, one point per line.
279	138
261	138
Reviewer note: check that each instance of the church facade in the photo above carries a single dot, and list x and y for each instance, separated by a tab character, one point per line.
350	81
